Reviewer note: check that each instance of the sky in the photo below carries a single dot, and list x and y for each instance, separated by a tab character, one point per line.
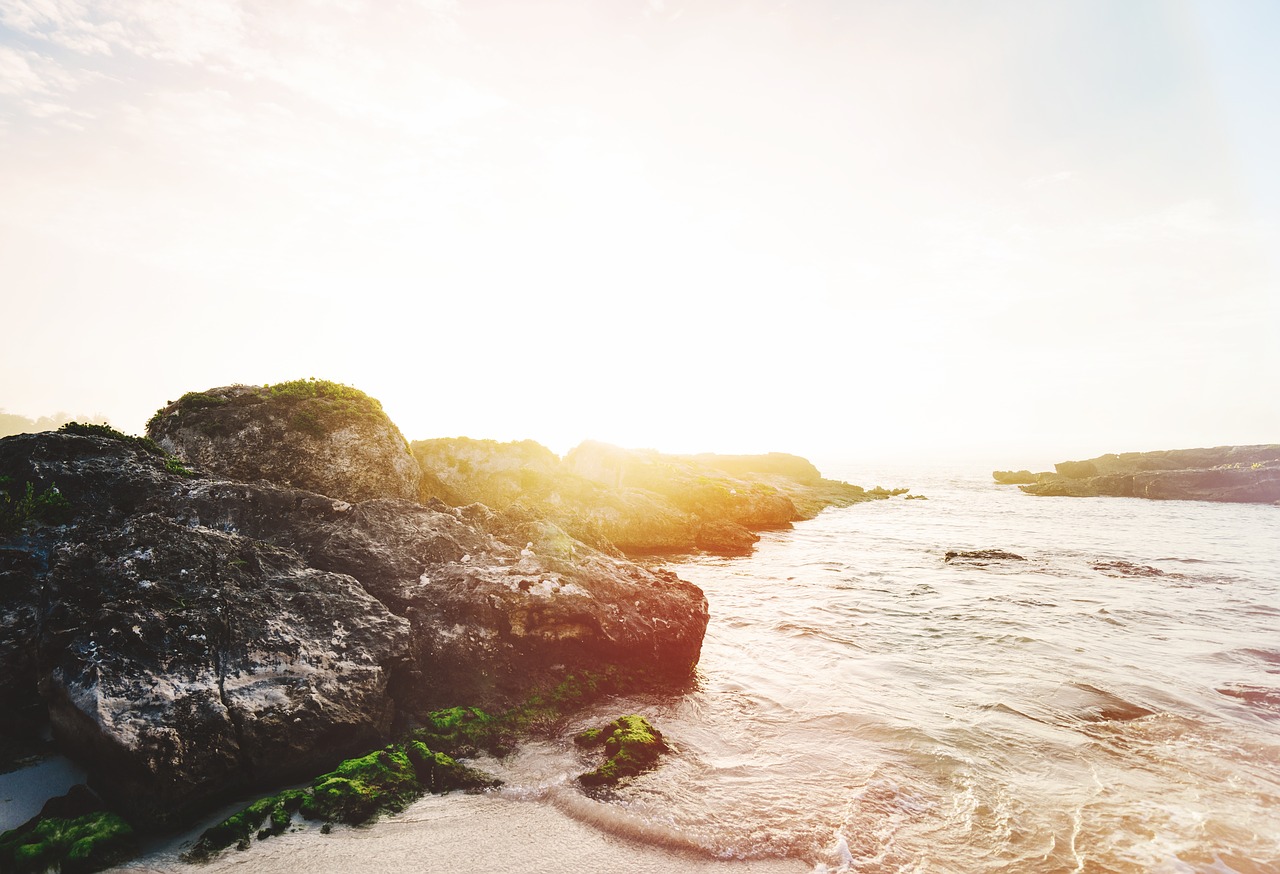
1020	232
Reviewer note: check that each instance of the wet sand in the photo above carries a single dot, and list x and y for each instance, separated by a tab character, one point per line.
24	792
458	833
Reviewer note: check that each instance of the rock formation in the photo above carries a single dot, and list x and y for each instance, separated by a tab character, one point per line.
308	434
635	501
190	635
1240	474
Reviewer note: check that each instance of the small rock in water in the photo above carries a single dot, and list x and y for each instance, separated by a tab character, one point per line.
631	746
1127	569
983	556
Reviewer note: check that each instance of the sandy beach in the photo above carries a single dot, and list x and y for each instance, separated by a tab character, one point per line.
24	792
459	833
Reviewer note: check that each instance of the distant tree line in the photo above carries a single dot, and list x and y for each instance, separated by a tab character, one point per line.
12	423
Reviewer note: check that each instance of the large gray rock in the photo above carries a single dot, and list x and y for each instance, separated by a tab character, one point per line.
309	434
183	663
198	635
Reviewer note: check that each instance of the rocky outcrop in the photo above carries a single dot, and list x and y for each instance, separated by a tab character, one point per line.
190	636
1241	474
308	434
1013	477
460	470
635	501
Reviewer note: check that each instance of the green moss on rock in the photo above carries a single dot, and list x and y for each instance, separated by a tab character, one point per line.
355	792
631	746
463	731
439	773
359	789
83	844
240	827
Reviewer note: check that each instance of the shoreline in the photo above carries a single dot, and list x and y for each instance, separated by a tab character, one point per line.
492	831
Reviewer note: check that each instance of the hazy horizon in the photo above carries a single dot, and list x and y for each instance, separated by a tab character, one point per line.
999	232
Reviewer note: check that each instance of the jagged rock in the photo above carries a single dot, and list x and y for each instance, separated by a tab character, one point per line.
1241	474
726	538
198	635
308	434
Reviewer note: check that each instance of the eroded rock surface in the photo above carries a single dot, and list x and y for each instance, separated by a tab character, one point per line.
197	635
308	434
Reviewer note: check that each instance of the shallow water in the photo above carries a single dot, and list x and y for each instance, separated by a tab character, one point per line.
1109	704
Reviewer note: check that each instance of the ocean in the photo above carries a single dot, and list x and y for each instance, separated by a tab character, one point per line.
1110	702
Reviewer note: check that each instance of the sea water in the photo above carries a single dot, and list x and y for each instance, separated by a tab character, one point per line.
1110	702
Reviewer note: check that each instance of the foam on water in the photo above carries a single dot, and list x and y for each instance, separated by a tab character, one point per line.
1107	704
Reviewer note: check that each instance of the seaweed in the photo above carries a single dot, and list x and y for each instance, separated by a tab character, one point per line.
78	845
355	792
631	746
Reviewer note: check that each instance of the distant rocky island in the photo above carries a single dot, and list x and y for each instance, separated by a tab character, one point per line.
1239	474
274	579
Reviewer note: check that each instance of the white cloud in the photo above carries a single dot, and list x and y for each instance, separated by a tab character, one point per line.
24	73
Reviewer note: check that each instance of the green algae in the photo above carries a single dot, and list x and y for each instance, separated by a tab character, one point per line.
439	773
355	792
465	731
631	746
387	780
80	845
239	828
361	788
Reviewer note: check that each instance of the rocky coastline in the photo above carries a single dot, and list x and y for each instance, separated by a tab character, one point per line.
274	581
1237	474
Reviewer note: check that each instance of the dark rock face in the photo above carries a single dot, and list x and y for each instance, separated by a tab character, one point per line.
310	434
196	636
183	657
1240	474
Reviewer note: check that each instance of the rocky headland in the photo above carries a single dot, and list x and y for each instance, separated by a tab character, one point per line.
1240	474
634	502
273	581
